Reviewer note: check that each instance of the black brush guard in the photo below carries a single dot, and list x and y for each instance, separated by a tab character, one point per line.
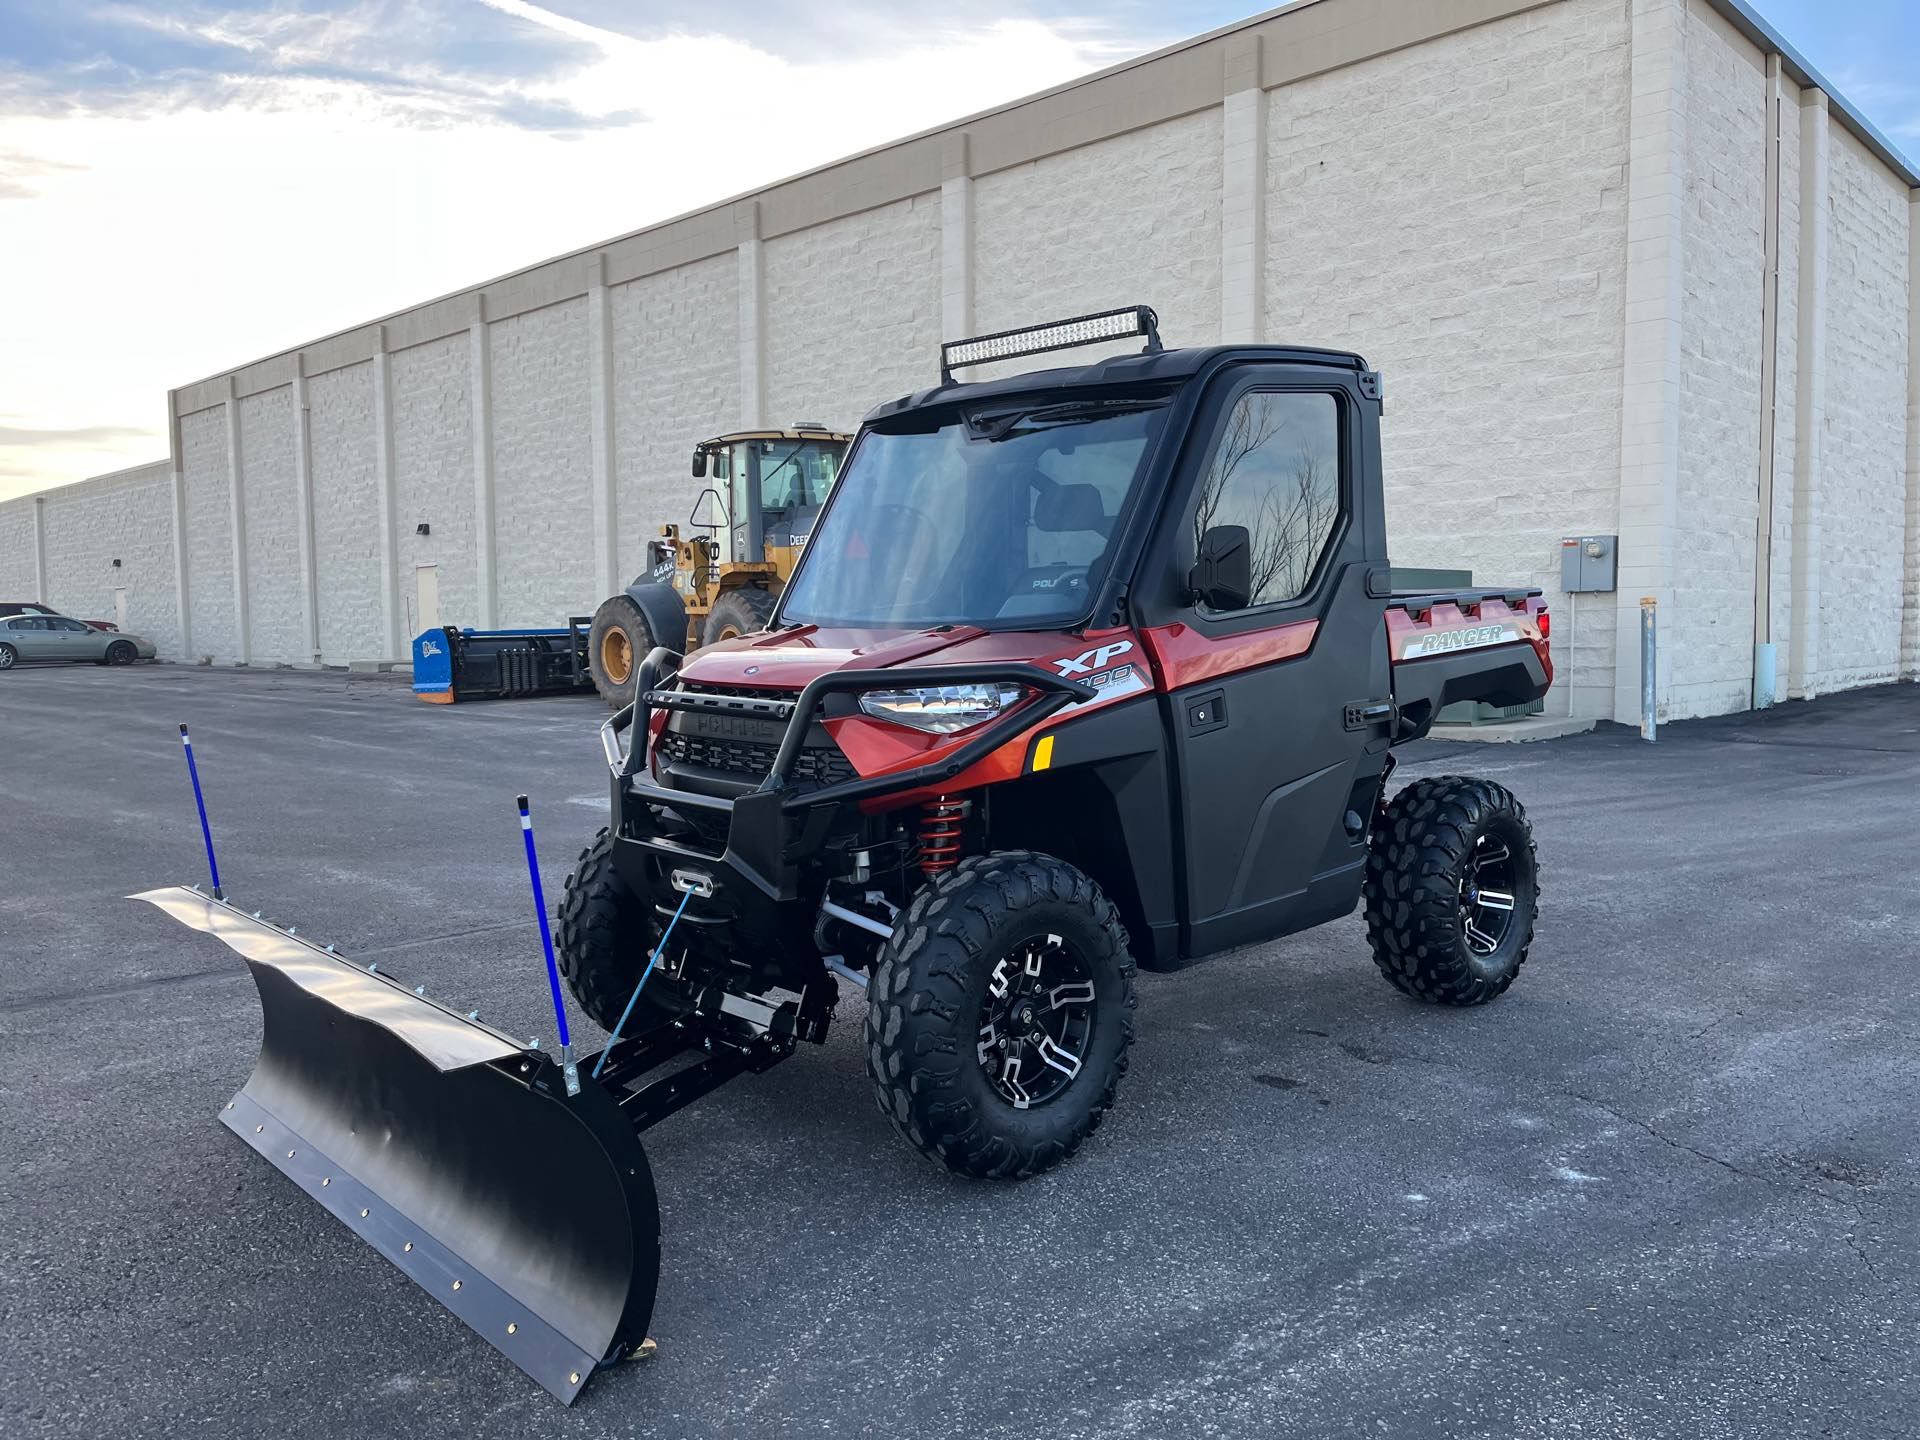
774	830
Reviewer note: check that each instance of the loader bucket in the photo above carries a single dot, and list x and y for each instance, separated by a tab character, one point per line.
450	1148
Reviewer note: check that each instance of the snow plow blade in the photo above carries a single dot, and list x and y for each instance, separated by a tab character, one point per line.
451	1148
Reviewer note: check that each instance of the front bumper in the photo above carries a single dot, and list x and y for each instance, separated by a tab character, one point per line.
775	833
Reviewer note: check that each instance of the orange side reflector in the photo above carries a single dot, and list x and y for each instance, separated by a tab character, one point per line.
1043	752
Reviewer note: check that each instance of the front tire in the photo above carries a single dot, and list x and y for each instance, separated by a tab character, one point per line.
616	644
121	652
605	937
739	612
1452	890
1000	1015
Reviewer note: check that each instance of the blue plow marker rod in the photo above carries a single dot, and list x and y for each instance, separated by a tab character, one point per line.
546	934
614	1039
206	834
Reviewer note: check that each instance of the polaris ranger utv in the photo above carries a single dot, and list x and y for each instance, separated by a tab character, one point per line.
1081	669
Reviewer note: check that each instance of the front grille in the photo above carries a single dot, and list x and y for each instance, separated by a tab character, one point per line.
820	764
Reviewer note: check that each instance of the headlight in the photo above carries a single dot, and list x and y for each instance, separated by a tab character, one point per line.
941	709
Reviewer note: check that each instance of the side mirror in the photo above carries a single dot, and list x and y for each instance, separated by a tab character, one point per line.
1222	574
699	462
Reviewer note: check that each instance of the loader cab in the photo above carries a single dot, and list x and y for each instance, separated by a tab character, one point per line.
767	488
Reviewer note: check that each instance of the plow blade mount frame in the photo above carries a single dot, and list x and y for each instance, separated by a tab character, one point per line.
451	1148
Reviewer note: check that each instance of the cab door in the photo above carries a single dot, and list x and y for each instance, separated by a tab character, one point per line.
1267	682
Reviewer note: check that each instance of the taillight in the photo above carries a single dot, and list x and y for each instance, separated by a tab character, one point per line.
1546	622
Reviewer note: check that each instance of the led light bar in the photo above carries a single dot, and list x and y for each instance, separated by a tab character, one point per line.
1055	335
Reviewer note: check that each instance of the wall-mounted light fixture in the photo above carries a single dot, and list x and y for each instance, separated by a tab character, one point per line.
423	528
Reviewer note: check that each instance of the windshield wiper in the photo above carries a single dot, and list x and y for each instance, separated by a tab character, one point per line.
1006	423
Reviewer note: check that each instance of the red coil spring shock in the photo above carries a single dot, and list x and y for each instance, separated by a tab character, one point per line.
942	825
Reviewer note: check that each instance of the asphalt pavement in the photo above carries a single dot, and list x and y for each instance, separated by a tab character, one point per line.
1669	1185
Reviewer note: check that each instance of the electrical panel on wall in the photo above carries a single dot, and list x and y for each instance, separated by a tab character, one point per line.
1587	562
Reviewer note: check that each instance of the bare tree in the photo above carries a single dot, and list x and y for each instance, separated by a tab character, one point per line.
1288	509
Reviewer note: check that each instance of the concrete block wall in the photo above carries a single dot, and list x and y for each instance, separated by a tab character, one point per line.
543	468
1863	449
852	313
205	479
19	568
1472	249
275	587
1548	222
346	510
1708	629
1133	219
113	534
676	380
433	476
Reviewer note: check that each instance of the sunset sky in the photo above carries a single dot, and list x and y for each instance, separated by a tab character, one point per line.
185	187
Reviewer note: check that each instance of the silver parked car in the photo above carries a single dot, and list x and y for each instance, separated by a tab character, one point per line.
55	637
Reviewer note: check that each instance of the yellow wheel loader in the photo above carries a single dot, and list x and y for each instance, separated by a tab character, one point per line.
768	487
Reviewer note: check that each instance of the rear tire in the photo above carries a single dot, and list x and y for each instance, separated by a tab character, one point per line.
739	612
994	943
121	652
8	657
616	644
1452	890
606	936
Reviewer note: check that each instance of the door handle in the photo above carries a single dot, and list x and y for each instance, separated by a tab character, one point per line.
1365	714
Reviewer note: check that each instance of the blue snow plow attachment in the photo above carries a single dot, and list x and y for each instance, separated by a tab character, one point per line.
452	665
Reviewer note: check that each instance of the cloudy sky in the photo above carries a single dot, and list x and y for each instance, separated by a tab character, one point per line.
186	186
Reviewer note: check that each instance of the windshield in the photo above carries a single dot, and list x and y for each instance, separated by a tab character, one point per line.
794	475
1001	517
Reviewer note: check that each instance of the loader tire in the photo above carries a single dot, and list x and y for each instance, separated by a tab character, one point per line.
739	612
616	644
975	968
1452	890
606	936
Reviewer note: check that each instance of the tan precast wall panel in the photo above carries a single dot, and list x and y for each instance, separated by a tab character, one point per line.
346	513
1474	254
866	182
557	281
543	468
853	313
275	599
680	242
203	474
1709	628
676	381
436	321
1863	469
433	475
266	375
352	348
1134	219
126	516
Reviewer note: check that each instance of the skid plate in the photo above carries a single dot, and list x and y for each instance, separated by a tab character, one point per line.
448	1147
